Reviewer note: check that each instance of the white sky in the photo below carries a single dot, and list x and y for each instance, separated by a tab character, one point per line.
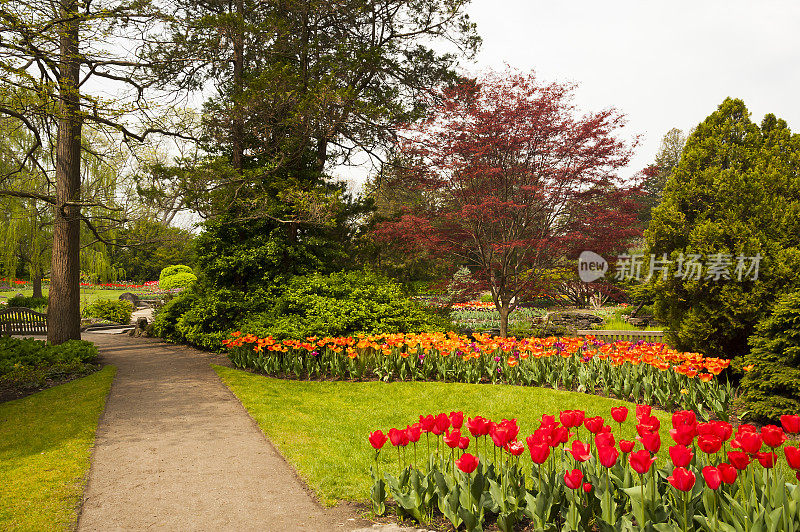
663	64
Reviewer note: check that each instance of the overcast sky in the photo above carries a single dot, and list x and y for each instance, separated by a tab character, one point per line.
663	64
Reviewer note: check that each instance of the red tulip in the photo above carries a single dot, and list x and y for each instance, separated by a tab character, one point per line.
738	459
463	443
548	421
648	424
539	453
377	439
511	428
686	418
681	455
682	479
723	430
573	479
441	424
767	460
567	418
414	432
559	435
750	442
607	455
398	437
594	424
792	456
515	447
683	434
791	424
626	446
728	473
475	426
587	487
580	451
604	439
651	441
712	477
427	422
642	411
773	436
620	414
457	419
467	463
641	461
489	427
709	443
452	438
579	417
500	436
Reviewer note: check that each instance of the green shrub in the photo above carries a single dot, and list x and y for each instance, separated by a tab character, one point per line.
179	280
116	310
27	302
337	304
166	318
345	303
29	362
772	387
169	271
735	192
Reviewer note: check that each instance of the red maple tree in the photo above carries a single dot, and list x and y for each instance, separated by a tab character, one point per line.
514	181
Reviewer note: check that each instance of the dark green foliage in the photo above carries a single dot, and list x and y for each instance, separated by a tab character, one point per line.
30	362
341	304
337	304
27	302
116	310
735	191
772	387
153	246
166	319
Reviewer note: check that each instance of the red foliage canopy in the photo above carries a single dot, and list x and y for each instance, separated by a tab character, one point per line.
514	180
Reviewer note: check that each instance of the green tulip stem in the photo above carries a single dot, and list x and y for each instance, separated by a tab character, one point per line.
641	488
685	515
399	467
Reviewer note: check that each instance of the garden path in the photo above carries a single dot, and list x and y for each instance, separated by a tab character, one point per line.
176	450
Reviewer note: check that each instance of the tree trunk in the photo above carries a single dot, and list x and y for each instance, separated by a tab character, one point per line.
504	312
36	278
237	131
63	314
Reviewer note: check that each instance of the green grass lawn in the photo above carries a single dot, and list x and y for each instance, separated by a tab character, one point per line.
88	295
322	427
45	446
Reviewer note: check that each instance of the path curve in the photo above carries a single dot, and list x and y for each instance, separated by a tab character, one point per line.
176	450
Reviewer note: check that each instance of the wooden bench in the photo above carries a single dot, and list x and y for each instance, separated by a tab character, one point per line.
21	320
620	336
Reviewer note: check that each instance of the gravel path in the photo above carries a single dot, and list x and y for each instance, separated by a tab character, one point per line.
176	450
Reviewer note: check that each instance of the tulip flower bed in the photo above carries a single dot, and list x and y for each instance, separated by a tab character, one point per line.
640	372
579	477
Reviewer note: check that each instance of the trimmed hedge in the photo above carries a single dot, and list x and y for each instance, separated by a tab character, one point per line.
116	310
179	280
27	302
169	271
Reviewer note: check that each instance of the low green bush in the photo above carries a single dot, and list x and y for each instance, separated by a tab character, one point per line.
179	280
321	305
29	362
116	310
27	302
169	271
771	384
345	303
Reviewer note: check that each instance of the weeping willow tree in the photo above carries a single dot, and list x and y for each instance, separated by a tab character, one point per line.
26	223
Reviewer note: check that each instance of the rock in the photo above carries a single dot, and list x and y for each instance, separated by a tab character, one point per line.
133	298
573	320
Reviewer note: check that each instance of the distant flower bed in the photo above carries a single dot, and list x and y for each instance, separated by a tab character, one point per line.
641	372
